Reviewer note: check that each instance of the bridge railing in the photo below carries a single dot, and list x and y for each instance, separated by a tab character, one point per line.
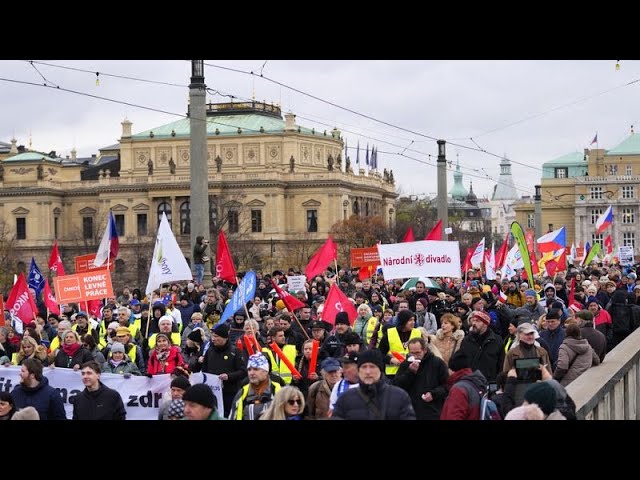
611	391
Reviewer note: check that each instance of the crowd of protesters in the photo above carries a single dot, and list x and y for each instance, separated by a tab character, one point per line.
423	352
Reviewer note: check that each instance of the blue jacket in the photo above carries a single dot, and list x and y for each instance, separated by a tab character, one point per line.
44	398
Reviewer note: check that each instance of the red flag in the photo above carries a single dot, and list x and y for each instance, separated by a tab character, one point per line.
49	299
20	302
530	240
94	307
365	271
289	300
436	232
466	266
572	291
1	312
608	243
562	261
55	261
408	237
535	269
224	263
326	254
552	267
501	254
338	302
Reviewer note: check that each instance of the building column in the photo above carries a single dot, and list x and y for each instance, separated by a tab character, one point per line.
174	214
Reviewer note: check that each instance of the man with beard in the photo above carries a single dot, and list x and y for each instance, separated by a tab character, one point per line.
253	399
34	391
515	296
483	347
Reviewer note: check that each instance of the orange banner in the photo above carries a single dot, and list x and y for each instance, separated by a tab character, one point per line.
84	263
82	287
361	257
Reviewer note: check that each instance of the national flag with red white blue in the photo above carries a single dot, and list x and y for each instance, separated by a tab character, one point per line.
553	241
605	220
109	245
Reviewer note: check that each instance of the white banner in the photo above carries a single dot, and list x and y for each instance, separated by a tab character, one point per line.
513	261
426	258
625	255
141	395
295	283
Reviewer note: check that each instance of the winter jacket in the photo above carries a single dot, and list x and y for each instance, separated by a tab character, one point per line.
574	358
103	404
379	401
198	250
173	360
523	350
604	324
463	401
447	346
431	377
486	353
318	401
63	360
43	397
533	313
218	360
595	338
554	339
123	368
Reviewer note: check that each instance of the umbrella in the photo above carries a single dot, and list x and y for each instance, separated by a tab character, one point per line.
428	283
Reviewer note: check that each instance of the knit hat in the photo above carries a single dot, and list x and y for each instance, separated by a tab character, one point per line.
113	326
222	330
458	361
424	302
176	408
351	338
482	316
403	317
433	292
342	317
180	382
530	293
201	394
258	360
196	335
576	306
593	299
165	319
123	331
371	356
117	347
280	305
543	395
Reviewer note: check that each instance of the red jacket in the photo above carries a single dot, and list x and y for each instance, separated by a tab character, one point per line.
174	360
461	403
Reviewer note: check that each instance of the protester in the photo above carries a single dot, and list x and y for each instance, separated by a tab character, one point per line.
97	401
287	404
200	403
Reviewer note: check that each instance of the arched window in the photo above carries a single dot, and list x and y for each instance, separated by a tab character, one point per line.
366	208
185	218
356	207
166	208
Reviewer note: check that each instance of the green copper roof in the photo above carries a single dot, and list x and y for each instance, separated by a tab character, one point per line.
31	156
568	159
226	125
458	192
630	146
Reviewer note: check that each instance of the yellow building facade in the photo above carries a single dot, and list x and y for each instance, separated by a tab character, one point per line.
275	188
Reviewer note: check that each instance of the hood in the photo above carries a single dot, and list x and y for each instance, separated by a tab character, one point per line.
457	375
159	306
578	346
619	296
549	285
43	383
478	379
199	239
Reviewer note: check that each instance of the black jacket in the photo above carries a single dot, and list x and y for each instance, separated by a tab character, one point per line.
486	353
198	250
431	377
103	404
224	360
379	401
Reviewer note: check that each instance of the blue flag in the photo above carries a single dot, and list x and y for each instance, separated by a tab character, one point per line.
244	293
36	280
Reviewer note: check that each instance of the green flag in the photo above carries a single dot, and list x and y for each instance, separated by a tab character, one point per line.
518	235
592	253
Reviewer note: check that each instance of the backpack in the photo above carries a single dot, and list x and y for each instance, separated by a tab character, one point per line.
489	409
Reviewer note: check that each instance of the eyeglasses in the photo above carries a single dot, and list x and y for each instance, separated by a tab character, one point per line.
294	402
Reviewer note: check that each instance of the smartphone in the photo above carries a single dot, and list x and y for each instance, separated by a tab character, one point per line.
528	369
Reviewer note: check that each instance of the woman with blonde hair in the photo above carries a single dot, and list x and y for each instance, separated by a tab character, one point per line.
287	404
448	338
29	348
71	353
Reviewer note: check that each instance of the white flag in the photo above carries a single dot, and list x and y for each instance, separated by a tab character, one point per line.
514	261
490	265
478	254
168	263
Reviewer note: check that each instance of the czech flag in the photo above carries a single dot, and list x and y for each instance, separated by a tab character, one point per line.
552	241
605	220
109	245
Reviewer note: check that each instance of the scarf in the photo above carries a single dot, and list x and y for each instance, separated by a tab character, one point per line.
71	350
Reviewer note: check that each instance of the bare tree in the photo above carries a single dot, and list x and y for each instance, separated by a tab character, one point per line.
359	232
7	256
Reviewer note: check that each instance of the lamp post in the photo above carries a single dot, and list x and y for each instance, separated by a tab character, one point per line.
537	228
443	206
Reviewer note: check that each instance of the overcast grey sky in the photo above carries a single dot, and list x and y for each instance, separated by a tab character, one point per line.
453	100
